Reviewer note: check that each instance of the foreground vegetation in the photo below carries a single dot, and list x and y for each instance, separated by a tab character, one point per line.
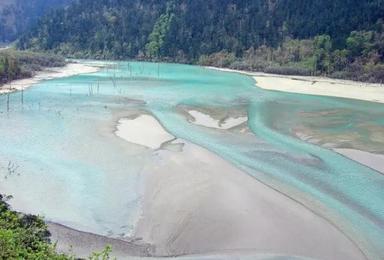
338	38
27	237
24	236
24	64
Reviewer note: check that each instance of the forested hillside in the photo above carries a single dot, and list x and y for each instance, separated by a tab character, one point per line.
341	38
24	236
16	16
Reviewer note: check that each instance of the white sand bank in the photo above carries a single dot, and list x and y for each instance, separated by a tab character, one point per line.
143	130
68	70
316	86
374	161
195	202
208	121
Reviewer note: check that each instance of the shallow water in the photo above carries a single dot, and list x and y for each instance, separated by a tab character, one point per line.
59	156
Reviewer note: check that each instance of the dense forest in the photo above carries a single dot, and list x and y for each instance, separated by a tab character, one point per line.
17	16
339	38
24	64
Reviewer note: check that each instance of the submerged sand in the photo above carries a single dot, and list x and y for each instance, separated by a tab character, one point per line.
68	70
372	160
316	85
194	202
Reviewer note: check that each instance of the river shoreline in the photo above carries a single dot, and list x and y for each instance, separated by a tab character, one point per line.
320	86
70	69
195	202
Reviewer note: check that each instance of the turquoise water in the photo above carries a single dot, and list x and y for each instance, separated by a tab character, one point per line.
59	156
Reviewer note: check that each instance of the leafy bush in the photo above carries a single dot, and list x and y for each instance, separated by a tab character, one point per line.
27	237
24	236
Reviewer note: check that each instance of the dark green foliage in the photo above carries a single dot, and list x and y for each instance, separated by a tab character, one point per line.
16	16
24	236
157	38
362	59
322	53
344	35
27	237
9	68
98	29
23	64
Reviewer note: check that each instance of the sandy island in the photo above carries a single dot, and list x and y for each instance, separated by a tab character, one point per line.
143	130
68	70
206	120
195	202
316	85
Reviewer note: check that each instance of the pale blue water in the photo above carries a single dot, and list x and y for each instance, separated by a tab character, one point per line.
66	163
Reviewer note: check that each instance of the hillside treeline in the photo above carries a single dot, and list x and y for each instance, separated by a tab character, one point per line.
24	64
17	16
338	38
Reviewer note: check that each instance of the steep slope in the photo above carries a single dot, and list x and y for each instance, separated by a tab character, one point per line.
190	28
338	38
16	16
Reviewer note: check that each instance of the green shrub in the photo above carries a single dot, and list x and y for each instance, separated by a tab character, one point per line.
24	236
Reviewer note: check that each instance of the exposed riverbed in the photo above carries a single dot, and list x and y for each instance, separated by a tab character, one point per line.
225	167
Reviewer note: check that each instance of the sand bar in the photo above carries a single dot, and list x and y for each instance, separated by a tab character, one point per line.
143	130
83	244
197	203
374	161
68	70
321	86
208	121
194	202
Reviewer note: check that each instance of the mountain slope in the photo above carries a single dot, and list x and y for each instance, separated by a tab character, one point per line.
122	27
233	31
16	16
